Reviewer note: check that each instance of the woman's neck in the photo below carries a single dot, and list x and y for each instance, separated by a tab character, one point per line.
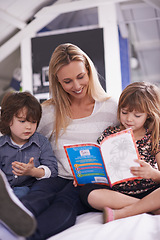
81	108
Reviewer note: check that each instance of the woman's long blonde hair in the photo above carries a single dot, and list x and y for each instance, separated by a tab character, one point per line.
63	55
143	97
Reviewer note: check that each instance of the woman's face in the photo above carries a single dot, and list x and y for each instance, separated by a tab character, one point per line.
74	79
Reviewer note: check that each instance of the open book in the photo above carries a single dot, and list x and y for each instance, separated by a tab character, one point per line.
108	163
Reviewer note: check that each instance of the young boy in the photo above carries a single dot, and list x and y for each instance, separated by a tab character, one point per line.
25	155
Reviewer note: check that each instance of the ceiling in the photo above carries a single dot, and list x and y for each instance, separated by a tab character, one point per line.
139	21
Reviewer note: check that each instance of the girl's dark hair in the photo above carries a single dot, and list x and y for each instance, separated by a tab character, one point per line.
12	103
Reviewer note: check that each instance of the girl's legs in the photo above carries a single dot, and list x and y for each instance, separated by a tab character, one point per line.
150	203
61	214
117	205
100	196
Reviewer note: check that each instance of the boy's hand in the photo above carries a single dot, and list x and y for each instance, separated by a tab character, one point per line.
23	169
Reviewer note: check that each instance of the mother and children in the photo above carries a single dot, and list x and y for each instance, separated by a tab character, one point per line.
78	111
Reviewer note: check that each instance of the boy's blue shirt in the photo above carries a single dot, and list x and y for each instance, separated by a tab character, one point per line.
38	147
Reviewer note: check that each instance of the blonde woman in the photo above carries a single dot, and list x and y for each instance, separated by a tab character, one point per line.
77	111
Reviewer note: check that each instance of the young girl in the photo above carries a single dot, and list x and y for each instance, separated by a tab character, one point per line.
139	109
25	155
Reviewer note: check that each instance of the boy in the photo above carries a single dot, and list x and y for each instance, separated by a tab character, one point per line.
25	155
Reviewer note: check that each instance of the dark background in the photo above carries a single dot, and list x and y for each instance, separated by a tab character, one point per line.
90	41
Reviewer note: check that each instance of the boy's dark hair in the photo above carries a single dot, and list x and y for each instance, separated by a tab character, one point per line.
12	103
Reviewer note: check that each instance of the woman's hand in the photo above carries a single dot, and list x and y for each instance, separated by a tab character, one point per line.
74	183
145	170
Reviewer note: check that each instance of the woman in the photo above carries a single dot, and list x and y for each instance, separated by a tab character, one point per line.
78	111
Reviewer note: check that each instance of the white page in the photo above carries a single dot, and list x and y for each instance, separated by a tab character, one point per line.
119	153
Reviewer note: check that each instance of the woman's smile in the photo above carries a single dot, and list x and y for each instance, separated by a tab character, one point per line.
80	91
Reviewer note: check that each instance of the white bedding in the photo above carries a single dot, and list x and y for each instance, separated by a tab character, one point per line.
89	227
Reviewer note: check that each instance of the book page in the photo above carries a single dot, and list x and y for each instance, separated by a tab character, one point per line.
119	152
86	163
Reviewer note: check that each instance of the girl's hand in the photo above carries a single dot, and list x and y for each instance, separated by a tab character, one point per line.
144	170
23	169
74	183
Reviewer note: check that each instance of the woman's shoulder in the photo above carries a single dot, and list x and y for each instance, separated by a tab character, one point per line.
110	101
47	113
108	105
47	107
47	120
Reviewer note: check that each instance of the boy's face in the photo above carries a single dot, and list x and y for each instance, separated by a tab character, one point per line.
21	129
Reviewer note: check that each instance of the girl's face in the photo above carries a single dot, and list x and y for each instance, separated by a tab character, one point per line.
21	129
134	119
74	79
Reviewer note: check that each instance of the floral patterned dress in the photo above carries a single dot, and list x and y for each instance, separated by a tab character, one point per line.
137	186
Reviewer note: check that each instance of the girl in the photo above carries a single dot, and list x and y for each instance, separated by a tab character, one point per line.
139	109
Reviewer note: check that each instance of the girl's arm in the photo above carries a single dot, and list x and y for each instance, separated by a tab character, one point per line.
146	170
156	176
